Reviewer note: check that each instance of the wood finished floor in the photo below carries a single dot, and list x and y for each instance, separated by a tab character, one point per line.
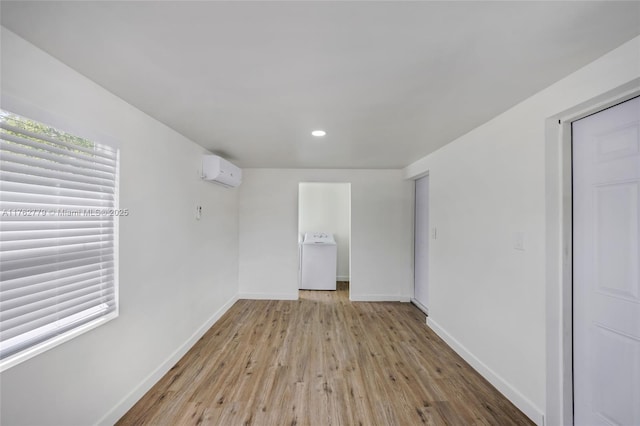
322	360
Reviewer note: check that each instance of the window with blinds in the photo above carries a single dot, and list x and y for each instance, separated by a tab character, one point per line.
58	233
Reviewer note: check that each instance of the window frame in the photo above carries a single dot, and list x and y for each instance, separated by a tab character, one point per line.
54	341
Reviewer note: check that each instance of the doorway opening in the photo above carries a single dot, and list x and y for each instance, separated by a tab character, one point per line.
324	237
560	244
421	245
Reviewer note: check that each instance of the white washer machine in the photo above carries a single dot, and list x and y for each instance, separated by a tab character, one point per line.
319	262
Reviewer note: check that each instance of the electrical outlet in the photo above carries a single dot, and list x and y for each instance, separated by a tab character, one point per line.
198	212
434	233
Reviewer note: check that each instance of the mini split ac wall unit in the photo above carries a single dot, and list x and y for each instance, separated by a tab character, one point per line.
218	170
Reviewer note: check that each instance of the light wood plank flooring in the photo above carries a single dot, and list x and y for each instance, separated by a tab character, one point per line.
322	360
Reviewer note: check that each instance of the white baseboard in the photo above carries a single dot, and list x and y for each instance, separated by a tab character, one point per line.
342	278
519	400
134	396
269	296
420	306
378	298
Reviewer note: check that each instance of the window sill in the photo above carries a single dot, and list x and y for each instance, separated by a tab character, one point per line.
52	343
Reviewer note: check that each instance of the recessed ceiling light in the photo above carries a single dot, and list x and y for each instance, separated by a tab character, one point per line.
318	133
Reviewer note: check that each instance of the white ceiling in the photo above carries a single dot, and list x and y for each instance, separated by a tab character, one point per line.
389	81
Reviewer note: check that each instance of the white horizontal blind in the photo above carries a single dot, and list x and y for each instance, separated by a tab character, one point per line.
58	213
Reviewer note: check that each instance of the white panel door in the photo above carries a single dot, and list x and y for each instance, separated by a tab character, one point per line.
606	287
421	241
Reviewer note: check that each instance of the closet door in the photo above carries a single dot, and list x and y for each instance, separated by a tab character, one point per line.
606	284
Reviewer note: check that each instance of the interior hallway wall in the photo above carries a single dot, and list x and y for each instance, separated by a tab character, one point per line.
381	232
487	188
177	274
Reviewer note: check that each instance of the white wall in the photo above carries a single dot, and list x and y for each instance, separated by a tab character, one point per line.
486	298
325	207
381	232
176	274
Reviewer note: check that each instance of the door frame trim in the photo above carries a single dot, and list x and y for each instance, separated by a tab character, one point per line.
413	251
559	263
